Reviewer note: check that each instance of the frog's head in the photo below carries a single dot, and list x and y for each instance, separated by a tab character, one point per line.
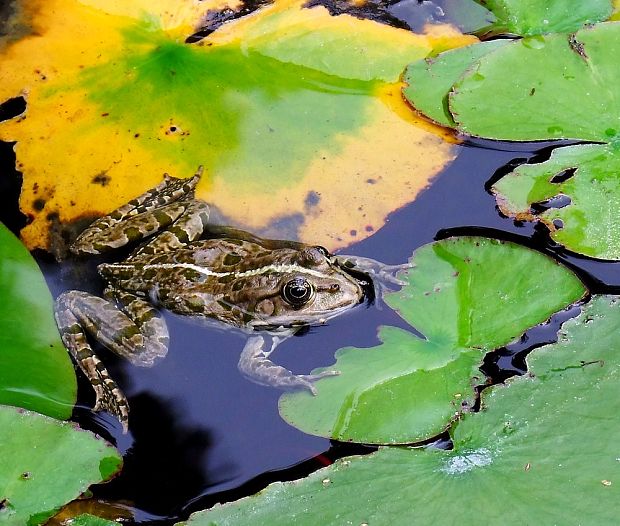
307	290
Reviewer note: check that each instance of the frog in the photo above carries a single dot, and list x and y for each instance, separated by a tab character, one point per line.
268	289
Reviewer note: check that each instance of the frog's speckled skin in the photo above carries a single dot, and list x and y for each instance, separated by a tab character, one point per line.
265	287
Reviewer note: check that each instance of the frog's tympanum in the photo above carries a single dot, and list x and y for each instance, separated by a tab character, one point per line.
269	289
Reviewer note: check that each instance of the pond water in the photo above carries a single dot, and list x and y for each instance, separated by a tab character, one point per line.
200	433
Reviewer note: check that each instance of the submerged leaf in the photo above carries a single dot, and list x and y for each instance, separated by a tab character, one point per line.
291	111
35	369
551	436
46	463
576	193
466	296
544	87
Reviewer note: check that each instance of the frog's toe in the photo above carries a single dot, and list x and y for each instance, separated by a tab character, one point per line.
309	379
389	273
392	279
318	376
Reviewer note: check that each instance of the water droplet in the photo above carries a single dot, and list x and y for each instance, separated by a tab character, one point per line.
463	463
534	42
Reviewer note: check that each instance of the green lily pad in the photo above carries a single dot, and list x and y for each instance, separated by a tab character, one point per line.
585	177
35	369
545	446
429	81
544	87
535	17
467	296
46	463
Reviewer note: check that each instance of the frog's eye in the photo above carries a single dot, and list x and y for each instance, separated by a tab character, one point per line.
297	292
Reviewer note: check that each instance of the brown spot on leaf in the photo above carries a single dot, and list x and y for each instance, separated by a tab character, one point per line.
577	47
101	178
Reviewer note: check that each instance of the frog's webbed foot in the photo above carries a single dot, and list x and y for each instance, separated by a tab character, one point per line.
256	366
108	396
385	278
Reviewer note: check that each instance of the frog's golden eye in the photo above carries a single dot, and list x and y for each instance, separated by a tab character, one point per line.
297	292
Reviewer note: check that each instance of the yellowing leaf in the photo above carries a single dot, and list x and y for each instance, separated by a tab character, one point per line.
295	114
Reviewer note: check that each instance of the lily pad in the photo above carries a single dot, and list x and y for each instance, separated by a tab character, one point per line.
279	106
35	369
46	463
535	17
545	87
430	80
466	296
545	445
576	193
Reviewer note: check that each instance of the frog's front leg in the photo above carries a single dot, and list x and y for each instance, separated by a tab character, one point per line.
255	365
385	278
137	334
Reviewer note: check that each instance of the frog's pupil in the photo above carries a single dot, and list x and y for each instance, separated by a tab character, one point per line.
297	292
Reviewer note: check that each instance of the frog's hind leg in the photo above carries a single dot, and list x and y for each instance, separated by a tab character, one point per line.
79	312
141	217
187	227
108	396
151	328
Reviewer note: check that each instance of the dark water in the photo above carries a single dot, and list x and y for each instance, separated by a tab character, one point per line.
200	433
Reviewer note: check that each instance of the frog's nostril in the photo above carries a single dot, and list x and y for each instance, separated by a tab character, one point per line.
334	287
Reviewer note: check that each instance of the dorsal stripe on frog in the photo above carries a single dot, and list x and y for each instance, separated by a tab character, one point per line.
206	272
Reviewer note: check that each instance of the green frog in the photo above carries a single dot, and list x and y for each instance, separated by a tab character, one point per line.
268	288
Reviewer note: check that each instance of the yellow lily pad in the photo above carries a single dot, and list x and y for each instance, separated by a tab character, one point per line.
295	114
